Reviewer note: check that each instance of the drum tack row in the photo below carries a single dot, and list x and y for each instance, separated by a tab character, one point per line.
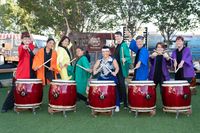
176	96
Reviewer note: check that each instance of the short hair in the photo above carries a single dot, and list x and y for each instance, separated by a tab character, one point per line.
161	44
50	39
118	33
140	37
105	47
25	34
179	38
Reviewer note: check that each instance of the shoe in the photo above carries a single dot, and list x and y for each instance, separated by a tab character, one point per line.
117	109
4	110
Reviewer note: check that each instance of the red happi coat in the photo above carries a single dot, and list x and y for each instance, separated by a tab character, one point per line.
24	65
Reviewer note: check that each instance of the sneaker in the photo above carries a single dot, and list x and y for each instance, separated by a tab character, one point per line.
117	109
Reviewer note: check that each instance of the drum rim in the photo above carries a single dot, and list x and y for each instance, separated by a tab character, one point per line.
62	81
25	81
142	82
102	81
152	84
167	85
175	82
102	84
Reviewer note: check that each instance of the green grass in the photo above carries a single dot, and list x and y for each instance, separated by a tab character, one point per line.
82	121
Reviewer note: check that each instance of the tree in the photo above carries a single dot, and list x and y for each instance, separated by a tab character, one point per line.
13	18
170	16
129	13
60	15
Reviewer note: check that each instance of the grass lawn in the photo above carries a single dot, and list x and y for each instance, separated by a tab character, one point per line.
83	122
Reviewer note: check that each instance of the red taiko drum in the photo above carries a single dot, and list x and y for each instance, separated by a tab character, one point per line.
142	96
28	93
62	95
102	95
176	94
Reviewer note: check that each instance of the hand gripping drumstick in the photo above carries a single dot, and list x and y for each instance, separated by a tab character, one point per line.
83	68
45	63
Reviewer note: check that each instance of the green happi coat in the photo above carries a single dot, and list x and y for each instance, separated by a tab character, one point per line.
126	52
79	75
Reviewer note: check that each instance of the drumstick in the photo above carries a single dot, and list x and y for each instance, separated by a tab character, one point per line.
45	63
108	68
99	68
122	55
72	60
177	69
47	67
83	68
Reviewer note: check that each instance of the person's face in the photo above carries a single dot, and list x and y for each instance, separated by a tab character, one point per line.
118	38
50	44
65	42
179	43
160	48
106	54
79	52
26	40
139	43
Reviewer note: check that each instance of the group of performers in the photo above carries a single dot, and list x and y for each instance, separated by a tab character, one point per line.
47	63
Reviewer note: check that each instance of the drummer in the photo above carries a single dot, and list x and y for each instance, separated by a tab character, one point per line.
122	55
141	67
159	61
80	73
45	62
24	69
108	69
183	65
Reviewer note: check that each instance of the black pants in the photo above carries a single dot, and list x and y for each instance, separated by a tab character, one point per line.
122	87
9	102
160	85
81	97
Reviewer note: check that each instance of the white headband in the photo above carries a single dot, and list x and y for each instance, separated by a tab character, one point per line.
105	49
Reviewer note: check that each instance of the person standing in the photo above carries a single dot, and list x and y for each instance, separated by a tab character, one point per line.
108	69
183	65
80	73
24	68
122	55
64	57
48	71
160	62
141	67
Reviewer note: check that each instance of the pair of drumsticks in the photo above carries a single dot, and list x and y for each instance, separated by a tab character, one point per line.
176	70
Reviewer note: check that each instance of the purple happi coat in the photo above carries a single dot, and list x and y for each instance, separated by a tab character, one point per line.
165	71
188	69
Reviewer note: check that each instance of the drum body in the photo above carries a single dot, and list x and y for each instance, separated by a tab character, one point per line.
28	93
102	95
141	95
62	94
176	94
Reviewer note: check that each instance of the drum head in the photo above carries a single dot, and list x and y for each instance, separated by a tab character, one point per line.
142	82
63	81
29	81
102	82
176	82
